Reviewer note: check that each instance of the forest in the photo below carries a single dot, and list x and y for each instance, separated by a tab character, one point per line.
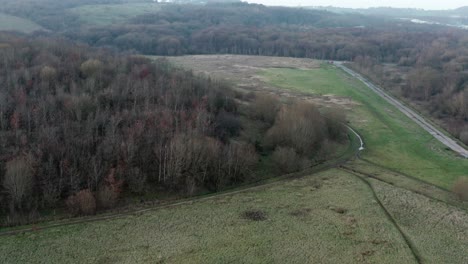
436	56
82	127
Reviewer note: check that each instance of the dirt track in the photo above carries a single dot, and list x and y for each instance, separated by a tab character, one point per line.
447	141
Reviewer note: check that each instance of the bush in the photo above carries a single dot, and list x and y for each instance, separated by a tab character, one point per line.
240	158
288	160
335	120
265	107
227	125
460	189
255	215
107	197
299	126
82	202
109	192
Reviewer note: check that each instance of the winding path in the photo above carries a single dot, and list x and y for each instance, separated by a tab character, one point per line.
436	133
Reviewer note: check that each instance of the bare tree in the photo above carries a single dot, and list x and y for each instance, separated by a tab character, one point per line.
19	180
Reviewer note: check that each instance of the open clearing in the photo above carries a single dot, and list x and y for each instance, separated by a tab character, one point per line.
110	14
14	23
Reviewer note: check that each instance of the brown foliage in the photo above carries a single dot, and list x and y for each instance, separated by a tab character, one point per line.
460	188
288	160
265	107
299	126
83	202
109	192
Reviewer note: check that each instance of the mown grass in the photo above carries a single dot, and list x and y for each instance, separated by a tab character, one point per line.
391	138
110	14
14	23
330	217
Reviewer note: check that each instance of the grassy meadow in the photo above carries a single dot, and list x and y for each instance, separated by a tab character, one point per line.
392	139
330	217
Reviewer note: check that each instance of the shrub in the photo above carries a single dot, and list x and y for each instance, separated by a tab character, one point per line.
227	125
109	192
255	215
107	197
240	158
82	202
265	107
335	120
287	160
299	126
460	189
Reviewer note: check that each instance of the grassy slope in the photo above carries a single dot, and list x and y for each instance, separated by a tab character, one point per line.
392	139
301	227
109	14
13	23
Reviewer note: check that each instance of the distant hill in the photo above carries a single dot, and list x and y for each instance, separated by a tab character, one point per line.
14	23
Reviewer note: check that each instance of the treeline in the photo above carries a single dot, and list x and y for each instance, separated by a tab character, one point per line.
82	127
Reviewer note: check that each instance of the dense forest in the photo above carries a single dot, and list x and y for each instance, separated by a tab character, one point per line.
437	56
80	127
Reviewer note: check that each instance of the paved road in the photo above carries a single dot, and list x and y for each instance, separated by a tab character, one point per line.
447	141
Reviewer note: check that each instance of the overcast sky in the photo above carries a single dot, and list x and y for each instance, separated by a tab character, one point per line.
425	4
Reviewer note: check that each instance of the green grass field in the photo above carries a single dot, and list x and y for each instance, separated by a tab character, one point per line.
391	139
330	217
110	14
13	23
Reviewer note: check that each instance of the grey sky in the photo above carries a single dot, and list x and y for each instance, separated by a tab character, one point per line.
425	4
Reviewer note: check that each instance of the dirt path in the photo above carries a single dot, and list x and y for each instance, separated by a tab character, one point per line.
436	133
